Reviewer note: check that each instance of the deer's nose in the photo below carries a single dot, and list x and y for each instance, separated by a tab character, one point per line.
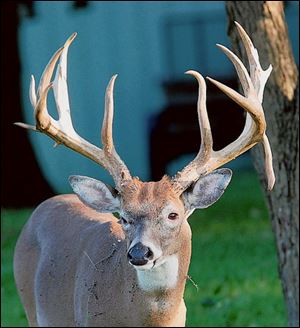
139	254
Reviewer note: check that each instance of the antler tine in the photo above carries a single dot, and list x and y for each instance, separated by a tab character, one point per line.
253	98
258	76
255	126
60	88
205	134
249	105
37	101
240	69
47	74
62	130
246	102
106	134
32	94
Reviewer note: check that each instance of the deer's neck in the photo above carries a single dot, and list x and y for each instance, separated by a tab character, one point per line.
162	287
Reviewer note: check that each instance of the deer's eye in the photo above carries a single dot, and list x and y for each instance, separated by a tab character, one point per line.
125	221
173	216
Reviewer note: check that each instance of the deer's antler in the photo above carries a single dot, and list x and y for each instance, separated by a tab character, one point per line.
207	160
62	130
253	85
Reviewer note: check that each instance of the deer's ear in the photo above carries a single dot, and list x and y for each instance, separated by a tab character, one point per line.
207	190
95	194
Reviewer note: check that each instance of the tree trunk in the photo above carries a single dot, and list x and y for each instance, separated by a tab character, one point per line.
264	21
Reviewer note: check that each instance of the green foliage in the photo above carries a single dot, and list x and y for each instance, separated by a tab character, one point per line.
233	263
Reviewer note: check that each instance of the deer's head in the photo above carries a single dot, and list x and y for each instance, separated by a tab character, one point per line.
152	213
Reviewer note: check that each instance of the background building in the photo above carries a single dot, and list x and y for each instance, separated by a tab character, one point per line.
150	45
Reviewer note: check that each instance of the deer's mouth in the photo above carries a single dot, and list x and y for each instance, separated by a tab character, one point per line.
144	267
153	264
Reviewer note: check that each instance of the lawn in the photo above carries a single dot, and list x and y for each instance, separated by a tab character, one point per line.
234	280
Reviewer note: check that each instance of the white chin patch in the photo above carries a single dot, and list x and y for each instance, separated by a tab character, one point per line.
161	275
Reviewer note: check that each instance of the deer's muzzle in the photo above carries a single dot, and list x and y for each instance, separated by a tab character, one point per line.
139	254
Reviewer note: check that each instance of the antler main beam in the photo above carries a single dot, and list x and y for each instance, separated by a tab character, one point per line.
253	85
62	130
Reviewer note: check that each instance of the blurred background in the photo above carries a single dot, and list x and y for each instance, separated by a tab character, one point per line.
149	45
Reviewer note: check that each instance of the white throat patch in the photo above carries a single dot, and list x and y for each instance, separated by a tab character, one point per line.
164	276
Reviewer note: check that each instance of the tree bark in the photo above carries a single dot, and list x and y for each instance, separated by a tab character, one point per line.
264	21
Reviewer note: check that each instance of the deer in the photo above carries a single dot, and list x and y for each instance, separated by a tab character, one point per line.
109	256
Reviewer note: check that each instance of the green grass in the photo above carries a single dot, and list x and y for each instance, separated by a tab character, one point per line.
12	313
233	263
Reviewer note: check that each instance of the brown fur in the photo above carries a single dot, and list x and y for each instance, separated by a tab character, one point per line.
71	268
148	197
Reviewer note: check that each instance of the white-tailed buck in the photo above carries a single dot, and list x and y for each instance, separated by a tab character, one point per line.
76	264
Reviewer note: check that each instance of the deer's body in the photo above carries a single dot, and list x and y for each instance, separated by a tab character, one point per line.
77	265
72	270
